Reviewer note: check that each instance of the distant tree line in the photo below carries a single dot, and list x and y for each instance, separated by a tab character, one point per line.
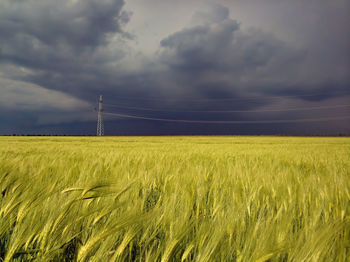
45	135
38	135
315	135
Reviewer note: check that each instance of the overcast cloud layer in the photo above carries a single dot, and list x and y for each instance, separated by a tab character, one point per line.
57	57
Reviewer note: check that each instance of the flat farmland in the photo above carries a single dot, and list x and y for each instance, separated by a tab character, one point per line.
211	198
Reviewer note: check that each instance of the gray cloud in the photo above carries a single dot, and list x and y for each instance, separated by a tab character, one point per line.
220	53
217	14
60	36
63	43
75	24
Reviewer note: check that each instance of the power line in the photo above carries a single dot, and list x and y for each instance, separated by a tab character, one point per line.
229	122
226	99
229	111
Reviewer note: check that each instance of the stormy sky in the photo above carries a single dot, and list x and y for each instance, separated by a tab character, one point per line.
206	67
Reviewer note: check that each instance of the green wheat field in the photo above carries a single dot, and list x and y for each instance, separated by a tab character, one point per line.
174	199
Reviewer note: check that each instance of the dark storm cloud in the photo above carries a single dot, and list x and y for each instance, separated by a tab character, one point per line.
75	24
236	61
68	44
64	43
61	37
81	49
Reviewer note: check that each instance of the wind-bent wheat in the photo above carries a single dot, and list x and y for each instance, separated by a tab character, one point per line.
174	199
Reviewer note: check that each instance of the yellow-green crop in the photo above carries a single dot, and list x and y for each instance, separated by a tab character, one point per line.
174	199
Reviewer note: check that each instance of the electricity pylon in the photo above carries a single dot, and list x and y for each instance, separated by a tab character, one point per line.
100	130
